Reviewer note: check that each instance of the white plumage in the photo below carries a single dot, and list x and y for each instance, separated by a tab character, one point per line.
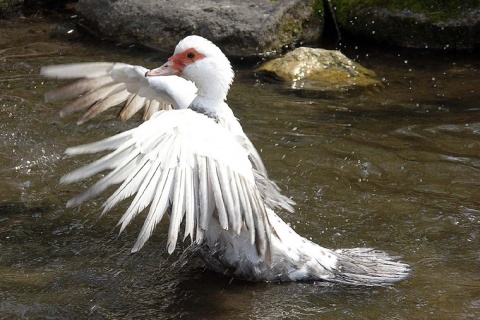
104	84
196	164
162	162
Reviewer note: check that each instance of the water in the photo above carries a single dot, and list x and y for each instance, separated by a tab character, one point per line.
397	170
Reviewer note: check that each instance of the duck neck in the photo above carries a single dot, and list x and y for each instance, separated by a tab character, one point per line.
210	107
213	82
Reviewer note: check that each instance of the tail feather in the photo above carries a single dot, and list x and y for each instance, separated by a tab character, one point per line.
369	267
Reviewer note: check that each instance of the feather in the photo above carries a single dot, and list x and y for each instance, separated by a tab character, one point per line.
101	106
132	105
258	219
78	70
189	203
109	161
151	107
90	98
157	209
227	197
129	186
178	207
206	208
236	217
110	143
199	234
144	194
113	177
247	207
77	88
217	193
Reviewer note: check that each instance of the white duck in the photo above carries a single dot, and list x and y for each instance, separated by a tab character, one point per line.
197	164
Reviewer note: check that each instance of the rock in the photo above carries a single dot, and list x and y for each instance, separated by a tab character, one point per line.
434	24
319	72
8	5
240	28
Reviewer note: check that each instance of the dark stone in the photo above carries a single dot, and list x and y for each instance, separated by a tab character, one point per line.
432	24
240	28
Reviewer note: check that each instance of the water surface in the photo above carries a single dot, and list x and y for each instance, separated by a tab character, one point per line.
397	170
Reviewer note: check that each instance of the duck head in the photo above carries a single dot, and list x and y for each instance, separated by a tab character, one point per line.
202	62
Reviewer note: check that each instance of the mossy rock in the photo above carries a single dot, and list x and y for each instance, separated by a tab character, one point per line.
433	24
320	72
6	5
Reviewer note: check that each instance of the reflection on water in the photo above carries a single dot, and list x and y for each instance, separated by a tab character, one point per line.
398	170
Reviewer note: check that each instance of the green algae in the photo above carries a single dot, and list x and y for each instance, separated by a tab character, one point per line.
435	10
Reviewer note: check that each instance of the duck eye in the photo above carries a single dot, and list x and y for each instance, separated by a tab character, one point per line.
190	55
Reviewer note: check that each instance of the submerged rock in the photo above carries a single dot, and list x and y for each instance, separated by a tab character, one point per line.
240	28
320	72
433	24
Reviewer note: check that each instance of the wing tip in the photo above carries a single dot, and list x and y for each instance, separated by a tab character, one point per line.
171	247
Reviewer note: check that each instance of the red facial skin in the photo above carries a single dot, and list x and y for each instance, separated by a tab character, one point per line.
176	63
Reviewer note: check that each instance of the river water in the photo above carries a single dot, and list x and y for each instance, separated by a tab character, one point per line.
397	170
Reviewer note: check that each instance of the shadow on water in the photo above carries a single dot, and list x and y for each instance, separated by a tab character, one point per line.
397	170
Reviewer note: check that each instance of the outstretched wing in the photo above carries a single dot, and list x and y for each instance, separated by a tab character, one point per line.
180	162
102	85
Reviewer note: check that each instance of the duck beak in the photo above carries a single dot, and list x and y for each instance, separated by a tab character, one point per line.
166	69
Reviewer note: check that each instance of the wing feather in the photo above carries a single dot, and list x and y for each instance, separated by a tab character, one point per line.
77	88
111	100
109	161
190	198
247	207
152	107
261	240
144	194
91	98
132	105
207	204
119	174
224	180
178	206
105	85
111	143
129	186
236	219
157	209
147	187
182	163
79	70
214	182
